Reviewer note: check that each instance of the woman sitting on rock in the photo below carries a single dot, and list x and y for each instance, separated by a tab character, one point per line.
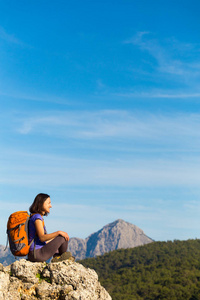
45	245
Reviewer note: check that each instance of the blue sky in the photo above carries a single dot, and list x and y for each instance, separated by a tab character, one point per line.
99	107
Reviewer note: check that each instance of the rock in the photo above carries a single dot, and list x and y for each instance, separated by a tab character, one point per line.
4	283
28	271
1	267
66	280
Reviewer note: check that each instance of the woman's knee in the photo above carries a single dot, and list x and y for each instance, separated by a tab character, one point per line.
61	241
61	238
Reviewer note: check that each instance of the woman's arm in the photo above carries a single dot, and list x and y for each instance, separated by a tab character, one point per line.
46	237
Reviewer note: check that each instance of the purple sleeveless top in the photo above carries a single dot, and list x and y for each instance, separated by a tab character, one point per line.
32	232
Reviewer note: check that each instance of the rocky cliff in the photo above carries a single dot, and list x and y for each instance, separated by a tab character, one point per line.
116	235
65	280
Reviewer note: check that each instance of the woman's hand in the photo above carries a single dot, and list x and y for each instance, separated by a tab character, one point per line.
64	234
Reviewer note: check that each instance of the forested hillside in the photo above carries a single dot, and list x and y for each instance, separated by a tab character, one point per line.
160	270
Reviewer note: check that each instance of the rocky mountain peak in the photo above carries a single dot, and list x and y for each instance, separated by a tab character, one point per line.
116	235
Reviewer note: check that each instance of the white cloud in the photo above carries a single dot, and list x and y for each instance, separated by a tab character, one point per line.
147	150
171	56
44	171
11	38
157	94
8	37
29	95
112	124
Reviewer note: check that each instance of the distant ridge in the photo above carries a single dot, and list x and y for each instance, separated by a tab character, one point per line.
6	257
116	235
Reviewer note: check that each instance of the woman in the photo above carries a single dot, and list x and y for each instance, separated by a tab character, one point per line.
44	245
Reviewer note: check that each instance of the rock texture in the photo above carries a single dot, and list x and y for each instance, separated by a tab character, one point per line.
65	280
116	235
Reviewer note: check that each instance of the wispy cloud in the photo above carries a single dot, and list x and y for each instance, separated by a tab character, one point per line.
166	138
171	56
159	94
118	124
30	96
46	171
10	38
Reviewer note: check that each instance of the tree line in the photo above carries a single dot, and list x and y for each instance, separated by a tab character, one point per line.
159	270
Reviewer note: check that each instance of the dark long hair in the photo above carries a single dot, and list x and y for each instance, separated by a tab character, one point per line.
37	205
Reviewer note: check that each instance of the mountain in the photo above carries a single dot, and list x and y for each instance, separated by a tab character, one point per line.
160	270
116	235
6	256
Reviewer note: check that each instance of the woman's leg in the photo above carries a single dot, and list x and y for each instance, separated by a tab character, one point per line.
58	245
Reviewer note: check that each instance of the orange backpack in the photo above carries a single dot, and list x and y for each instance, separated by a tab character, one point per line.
17	231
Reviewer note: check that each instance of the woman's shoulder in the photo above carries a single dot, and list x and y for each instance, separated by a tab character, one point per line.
34	217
